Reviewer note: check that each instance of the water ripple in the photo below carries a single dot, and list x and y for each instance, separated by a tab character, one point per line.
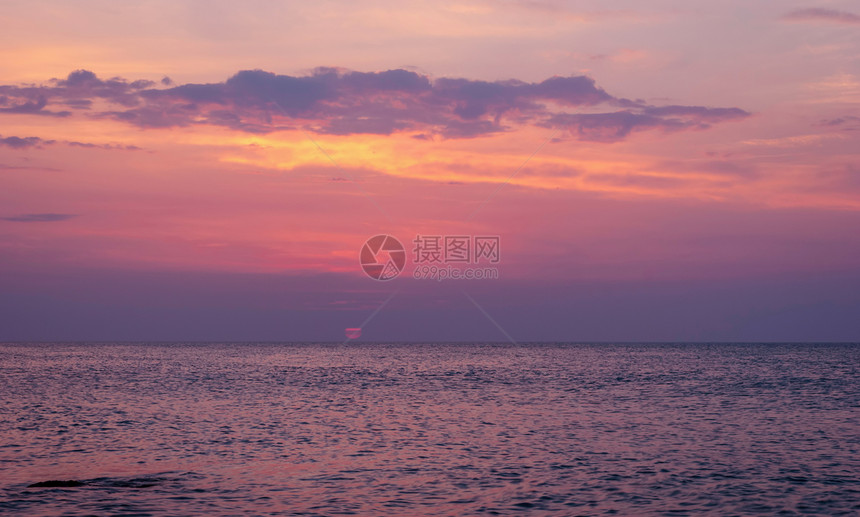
432	429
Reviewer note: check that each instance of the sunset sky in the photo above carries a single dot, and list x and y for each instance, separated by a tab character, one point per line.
207	170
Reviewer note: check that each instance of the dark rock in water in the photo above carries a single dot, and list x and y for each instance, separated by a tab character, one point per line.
55	483
143	482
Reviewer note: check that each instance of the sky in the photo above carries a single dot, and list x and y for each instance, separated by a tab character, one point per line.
205	170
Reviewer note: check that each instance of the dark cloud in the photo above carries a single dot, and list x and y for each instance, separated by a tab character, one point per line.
81	104
700	113
844	123
17	142
76	91
618	125
38	218
571	91
83	84
390	80
34	107
820	14
367	125
834	121
609	127
110	147
343	102
4	166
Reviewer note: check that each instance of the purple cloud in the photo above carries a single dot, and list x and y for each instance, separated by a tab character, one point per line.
110	147
38	218
844	123
17	142
820	14
616	126
701	113
335	101
33	107
77	91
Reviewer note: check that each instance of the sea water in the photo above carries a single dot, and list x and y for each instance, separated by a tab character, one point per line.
429	429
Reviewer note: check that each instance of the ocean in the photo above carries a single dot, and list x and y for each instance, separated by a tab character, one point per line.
429	429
